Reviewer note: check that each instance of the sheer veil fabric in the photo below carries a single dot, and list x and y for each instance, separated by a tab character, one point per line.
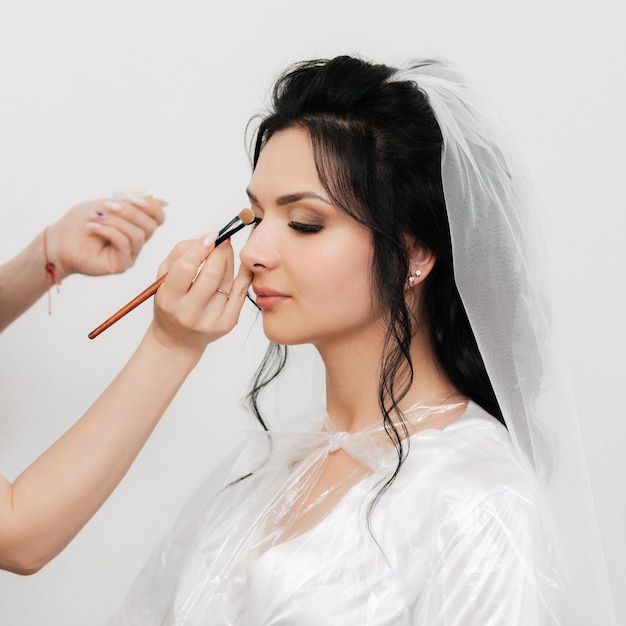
504	280
237	534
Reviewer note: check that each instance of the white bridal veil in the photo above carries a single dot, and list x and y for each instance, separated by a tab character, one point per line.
504	281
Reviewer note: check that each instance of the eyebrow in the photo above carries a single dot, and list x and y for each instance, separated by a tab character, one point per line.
290	198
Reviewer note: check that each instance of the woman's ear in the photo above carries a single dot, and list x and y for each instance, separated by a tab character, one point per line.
421	262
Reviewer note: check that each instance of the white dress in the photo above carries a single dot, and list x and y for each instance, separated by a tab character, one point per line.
456	540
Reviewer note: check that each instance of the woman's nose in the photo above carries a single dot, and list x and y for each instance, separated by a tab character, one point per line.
259	252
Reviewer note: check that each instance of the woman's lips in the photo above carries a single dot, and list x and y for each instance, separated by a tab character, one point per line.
268	298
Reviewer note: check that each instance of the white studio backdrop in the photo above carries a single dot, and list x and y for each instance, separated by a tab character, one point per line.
156	94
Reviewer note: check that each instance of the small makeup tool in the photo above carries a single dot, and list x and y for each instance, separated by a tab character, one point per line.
243	218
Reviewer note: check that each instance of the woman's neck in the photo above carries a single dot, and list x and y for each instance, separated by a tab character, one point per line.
353	379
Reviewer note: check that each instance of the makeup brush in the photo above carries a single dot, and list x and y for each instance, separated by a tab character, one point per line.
243	218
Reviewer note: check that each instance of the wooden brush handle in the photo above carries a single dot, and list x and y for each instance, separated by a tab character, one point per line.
127	308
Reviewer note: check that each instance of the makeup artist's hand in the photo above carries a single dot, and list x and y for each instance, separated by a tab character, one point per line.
191	313
103	236
94	238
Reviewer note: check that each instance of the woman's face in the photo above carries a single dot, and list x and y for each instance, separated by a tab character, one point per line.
311	262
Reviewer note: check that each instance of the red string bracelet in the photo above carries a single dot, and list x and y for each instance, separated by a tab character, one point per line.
51	271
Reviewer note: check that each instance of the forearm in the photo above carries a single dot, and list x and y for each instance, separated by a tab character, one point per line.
52	500
22	281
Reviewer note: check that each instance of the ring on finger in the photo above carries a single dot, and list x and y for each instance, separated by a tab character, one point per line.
224	293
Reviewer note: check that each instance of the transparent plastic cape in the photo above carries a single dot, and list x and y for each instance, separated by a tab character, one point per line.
457	538
481	526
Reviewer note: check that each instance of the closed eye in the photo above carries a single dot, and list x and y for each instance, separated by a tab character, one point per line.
305	228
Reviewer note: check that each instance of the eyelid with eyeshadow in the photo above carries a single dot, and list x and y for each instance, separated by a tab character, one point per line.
301	219
302	227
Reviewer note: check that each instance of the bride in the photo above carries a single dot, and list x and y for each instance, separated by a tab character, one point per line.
395	236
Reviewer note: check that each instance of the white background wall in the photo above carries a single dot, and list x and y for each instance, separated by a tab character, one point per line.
99	96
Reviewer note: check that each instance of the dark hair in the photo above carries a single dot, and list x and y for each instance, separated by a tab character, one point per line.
377	147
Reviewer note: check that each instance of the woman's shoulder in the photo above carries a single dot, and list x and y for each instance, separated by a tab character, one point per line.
462	481
473	457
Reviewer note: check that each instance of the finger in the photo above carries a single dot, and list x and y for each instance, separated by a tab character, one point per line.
183	270
216	273
149	204
179	249
120	233
227	279
137	229
117	240
133	221
238	293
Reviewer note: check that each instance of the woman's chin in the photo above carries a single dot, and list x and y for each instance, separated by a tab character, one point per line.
283	336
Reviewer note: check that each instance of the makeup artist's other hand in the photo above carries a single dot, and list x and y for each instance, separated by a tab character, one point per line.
103	236
191	313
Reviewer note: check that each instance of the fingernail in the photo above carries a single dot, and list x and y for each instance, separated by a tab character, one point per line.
140	202
113	205
163	202
98	215
208	239
93	225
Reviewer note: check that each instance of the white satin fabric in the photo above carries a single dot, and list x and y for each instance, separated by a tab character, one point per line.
456	540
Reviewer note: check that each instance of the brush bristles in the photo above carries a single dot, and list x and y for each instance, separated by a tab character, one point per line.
246	216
